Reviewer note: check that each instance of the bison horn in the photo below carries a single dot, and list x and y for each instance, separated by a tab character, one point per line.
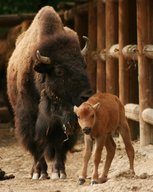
43	59
86	47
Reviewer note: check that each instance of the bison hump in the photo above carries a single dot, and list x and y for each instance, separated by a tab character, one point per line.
48	21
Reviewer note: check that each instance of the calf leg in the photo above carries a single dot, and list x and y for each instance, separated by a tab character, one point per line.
99	143
110	147
125	133
87	154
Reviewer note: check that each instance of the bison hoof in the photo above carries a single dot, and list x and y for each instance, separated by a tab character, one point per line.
54	176
35	176
44	176
93	182
81	181
62	176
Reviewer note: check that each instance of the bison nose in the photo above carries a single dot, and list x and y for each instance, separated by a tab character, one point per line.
87	130
85	95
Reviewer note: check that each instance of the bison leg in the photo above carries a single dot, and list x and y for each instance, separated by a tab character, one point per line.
99	143
58	166
125	133
39	169
87	154
58	171
110	147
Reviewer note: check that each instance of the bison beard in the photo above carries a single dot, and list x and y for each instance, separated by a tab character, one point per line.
57	124
46	77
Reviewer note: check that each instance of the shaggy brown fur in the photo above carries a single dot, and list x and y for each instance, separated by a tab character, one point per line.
99	118
43	95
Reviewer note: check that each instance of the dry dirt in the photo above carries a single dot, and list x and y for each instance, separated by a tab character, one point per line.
14	160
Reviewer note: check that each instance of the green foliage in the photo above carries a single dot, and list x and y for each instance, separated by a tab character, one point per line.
24	6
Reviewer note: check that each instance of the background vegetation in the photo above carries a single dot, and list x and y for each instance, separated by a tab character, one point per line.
25	6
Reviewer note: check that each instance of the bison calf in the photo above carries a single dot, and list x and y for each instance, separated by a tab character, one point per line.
99	117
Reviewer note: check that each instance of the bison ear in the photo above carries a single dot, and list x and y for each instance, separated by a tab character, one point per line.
75	108
96	106
42	64
42	68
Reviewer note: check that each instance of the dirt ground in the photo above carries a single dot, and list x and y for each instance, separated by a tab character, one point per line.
14	160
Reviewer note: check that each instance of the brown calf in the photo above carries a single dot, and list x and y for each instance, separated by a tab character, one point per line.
99	118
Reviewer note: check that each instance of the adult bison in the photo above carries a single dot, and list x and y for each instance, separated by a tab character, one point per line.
46	77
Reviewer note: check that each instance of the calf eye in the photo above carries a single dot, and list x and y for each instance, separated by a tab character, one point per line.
78	117
59	72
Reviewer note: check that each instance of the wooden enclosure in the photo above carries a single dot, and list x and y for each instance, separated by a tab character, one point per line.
120	58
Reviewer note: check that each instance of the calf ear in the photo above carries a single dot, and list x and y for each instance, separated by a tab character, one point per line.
96	106
75	108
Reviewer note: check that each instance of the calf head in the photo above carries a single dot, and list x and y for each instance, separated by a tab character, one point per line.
86	114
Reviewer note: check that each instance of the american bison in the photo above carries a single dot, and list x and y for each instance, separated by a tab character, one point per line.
46	77
99	118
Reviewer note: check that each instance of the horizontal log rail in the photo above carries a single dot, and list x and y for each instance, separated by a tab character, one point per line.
132	111
147	115
15	19
130	52
148	51
114	51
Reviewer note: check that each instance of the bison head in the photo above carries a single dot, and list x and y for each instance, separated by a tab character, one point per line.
60	63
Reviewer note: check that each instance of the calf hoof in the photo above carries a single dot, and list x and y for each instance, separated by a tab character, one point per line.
102	180
35	176
94	182
54	176
81	181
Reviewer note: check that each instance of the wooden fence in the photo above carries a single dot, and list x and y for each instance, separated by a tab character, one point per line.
120	60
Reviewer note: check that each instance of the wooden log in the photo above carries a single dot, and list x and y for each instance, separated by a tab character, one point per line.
80	26
132	111
15	19
127	34
92	34
114	51
148	51
102	54
145	30
127	69
111	39
101	68
130	52
147	115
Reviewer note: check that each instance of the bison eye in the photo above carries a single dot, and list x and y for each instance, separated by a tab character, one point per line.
59	72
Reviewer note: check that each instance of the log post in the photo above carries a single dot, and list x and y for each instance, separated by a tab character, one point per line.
80	26
92	34
101	68
144	33
127	73
111	39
